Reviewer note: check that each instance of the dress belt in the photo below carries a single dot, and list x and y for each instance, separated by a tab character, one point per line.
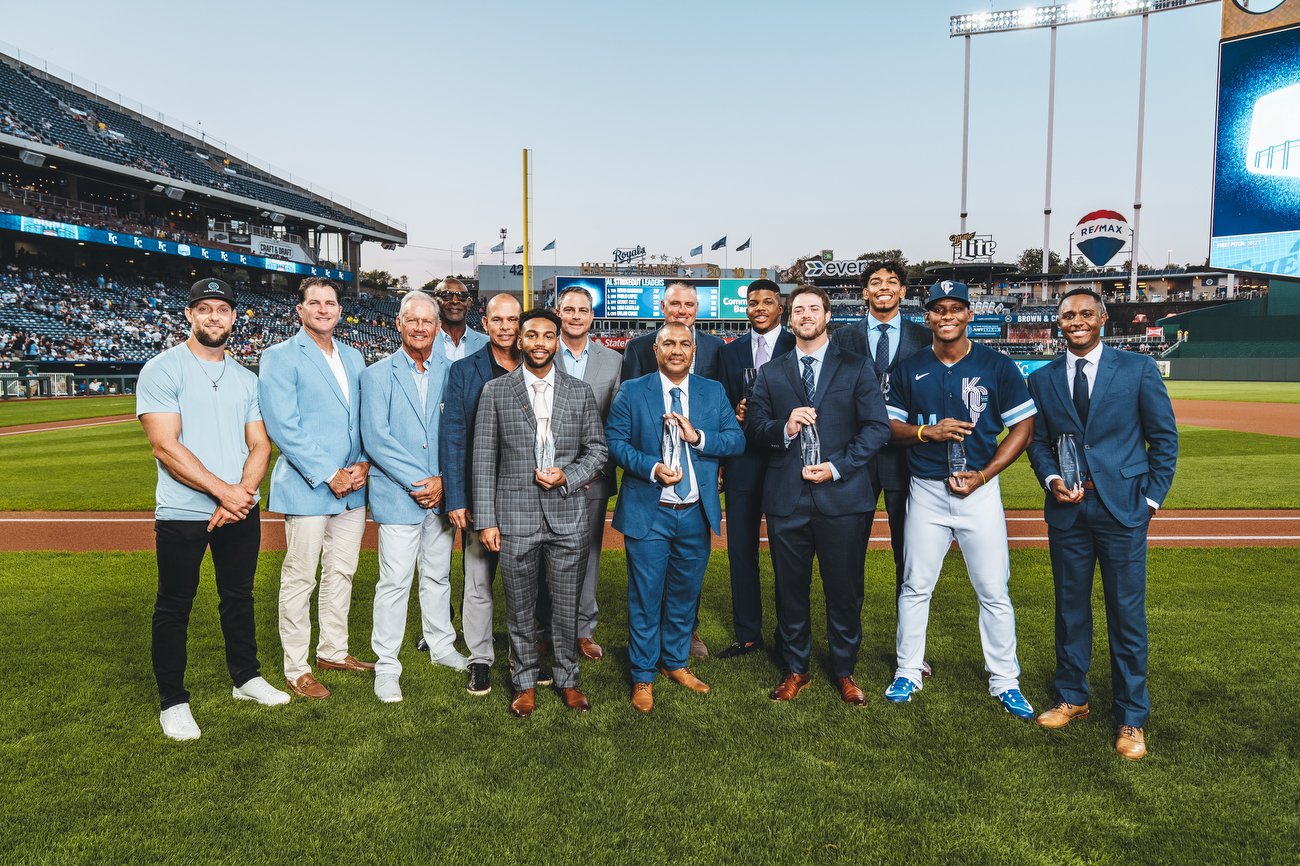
678	506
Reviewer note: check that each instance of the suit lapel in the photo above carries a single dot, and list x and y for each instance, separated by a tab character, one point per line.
790	364
1062	389
405	381
1105	375
560	403
432	406
830	363
317	357
523	394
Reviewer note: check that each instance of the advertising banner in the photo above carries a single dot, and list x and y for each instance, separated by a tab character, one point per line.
639	297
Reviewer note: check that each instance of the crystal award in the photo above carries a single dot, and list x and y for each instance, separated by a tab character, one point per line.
810	445
544	448
956	457
670	445
1067	456
750	376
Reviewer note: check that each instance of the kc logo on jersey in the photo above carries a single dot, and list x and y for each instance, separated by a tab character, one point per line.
976	398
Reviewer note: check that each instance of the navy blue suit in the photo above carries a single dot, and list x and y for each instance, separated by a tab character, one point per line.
639	356
667	548
743	479
1130	447
828	520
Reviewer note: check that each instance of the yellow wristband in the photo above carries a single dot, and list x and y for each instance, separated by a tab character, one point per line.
919	431
982	478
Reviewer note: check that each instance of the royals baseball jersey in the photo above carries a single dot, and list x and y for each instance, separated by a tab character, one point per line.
984	387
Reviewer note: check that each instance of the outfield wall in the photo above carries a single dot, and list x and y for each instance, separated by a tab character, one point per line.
1235	369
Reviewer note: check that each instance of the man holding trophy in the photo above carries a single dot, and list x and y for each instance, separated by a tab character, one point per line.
819	412
538	440
948	405
1105	449
668	430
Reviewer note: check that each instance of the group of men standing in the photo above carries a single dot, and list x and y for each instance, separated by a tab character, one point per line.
512	439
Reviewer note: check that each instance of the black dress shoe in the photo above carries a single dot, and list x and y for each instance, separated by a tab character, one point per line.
741	649
480	679
544	676
421	644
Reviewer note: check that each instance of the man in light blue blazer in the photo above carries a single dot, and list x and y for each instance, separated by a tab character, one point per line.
401	400
309	386
665	514
1117	408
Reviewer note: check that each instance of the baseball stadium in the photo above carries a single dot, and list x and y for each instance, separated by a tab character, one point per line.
110	213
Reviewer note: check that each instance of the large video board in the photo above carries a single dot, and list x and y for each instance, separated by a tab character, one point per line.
639	297
1256	218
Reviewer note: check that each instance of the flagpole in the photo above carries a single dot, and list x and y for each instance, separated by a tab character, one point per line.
528	271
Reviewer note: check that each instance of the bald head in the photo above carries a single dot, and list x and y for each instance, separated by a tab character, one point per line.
502	321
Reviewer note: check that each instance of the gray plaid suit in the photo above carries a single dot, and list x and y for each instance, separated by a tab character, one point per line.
544	529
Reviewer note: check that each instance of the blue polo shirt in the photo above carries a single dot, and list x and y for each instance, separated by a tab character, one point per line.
985	387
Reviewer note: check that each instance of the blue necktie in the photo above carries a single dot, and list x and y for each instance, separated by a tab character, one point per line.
1081	397
808	384
882	349
681	488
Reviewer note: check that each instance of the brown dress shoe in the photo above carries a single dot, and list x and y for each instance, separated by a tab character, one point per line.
790	687
698	649
643	697
1131	743
684	677
590	649
849	692
307	687
1062	713
574	699
349	663
524	703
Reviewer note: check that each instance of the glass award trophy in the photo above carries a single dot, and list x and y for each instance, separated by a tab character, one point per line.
810	445
956	457
670	445
750	376
544	447
1067	456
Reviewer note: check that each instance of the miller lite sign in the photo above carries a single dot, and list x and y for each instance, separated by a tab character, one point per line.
970	247
1101	234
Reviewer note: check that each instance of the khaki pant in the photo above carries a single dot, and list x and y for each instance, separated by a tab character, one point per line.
333	541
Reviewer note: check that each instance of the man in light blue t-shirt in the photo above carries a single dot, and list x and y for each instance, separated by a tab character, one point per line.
199	408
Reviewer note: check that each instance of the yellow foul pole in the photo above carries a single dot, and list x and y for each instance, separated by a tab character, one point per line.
528	270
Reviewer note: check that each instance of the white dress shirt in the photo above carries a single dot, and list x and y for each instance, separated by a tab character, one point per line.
769	338
548	393
335	361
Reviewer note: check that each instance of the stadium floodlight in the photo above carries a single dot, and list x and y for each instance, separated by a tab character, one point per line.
31	157
277	218
158	187
356	237
1077	12
174	193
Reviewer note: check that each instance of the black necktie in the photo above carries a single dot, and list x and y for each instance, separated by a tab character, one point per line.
882	349
808	384
1081	397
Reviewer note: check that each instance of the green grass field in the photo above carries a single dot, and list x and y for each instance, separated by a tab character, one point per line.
15	412
1246	392
726	778
110	469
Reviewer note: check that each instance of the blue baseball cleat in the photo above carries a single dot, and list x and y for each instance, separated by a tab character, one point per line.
1015	704
900	690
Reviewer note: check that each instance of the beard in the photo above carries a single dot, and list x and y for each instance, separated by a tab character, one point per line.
534	364
210	340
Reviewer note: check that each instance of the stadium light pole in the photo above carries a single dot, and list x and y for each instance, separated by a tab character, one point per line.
528	269
1077	12
1047	185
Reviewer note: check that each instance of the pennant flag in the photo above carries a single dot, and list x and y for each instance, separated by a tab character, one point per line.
549	246
520	250
469	250
720	243
744	246
698	251
499	248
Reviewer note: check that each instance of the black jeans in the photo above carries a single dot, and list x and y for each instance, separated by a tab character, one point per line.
180	546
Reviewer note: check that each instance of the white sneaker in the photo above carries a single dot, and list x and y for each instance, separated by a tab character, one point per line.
178	723
387	689
453	660
258	689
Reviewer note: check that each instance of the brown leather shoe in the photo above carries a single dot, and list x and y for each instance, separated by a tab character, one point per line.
589	649
524	703
849	692
684	677
790	687
643	697
307	687
349	663
1131	743
1062	713
698	649
574	699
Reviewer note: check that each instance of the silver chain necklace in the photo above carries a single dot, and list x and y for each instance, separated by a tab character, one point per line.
218	379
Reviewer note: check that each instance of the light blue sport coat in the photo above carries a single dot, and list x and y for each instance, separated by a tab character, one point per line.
315	427
402	441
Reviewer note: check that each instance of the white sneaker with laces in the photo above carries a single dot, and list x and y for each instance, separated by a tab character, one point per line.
387	689
453	660
258	689
178	723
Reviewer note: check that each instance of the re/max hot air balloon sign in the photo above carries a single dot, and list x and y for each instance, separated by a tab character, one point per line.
1100	235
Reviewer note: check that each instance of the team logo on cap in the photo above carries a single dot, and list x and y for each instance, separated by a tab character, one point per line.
946	287
1101	234
214	286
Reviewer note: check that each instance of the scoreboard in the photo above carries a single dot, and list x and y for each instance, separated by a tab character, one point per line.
638	297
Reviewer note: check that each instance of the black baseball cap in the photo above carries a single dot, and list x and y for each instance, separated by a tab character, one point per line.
212	289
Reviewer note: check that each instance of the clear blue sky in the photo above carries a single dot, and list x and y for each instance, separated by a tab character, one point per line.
808	126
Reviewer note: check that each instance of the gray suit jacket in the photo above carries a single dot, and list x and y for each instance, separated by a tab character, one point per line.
506	495
602	374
